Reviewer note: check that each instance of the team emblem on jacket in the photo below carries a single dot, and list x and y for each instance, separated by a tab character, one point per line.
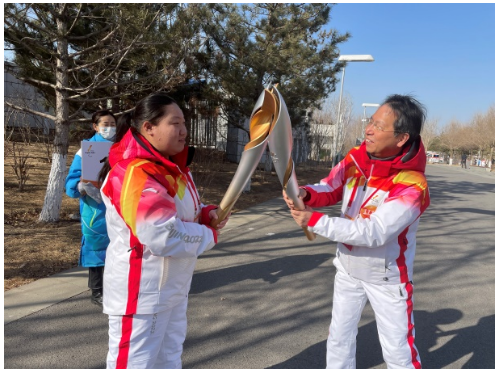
370	207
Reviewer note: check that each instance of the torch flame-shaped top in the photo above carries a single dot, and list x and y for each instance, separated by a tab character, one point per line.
262	120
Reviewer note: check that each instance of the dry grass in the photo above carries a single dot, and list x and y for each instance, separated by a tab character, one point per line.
34	250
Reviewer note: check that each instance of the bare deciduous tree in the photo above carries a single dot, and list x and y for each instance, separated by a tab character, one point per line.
355	132
429	132
320	137
451	137
329	116
481	133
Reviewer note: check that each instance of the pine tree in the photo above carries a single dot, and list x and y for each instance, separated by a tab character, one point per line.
82	56
250	45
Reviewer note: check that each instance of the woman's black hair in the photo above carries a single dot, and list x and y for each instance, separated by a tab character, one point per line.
151	109
99	114
123	124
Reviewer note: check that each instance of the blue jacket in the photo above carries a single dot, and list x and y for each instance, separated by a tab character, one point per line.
95	236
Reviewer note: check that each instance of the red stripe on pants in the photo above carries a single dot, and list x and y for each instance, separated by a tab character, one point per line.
124	346
411	338
134	280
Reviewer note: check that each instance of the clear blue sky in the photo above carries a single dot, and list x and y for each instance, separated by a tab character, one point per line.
443	54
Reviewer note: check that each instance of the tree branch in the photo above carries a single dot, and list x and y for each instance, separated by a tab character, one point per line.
88	36
81	67
36	81
77	17
26	45
28	110
25	20
95	46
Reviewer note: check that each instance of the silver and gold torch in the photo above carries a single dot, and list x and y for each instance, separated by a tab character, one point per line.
269	125
280	146
261	120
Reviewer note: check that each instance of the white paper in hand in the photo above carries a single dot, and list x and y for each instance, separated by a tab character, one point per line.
93	157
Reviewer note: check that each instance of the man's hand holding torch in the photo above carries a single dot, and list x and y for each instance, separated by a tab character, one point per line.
301	217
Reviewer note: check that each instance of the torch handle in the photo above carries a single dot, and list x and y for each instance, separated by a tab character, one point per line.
293	194
310	235
221	216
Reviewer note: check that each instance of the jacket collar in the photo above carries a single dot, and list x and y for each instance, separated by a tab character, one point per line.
134	145
412	158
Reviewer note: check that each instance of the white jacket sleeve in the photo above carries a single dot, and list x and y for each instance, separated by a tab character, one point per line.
385	224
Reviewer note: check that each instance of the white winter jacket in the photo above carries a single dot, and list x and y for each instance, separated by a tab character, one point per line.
157	229
381	205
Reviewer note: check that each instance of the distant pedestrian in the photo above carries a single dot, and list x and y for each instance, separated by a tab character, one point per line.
384	191
463	164
123	124
92	210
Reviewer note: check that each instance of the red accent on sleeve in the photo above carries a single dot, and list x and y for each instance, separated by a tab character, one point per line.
324	198
205	218
314	219
213	231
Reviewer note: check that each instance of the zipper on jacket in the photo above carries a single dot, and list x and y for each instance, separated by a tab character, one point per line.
357	166
355	187
366	181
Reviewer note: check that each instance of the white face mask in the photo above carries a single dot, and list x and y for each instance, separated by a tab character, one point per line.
107	132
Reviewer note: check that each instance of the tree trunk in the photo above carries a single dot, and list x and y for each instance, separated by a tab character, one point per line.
115	107
492	165
55	185
236	137
268	161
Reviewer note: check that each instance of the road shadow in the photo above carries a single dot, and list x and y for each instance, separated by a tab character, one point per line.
269	271
441	190
68	335
477	341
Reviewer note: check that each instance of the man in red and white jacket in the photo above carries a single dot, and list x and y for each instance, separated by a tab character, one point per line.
383	191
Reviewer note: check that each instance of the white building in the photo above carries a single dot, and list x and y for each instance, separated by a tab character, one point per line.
22	94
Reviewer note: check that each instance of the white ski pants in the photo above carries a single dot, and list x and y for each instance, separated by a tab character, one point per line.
148	341
393	308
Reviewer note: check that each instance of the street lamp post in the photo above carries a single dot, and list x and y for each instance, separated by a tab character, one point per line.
359	139
346	58
365	119
364	109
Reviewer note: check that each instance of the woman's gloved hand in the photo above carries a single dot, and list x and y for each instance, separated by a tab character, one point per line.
87	188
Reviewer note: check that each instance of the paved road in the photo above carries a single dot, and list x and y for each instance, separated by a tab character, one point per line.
262	297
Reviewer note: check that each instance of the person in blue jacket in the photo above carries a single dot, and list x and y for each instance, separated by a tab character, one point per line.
92	210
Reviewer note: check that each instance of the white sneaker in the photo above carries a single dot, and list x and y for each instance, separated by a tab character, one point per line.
76	217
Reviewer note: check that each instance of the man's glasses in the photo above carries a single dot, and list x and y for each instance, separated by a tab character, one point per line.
378	128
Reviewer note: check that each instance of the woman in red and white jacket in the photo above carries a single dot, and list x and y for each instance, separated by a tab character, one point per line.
157	228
